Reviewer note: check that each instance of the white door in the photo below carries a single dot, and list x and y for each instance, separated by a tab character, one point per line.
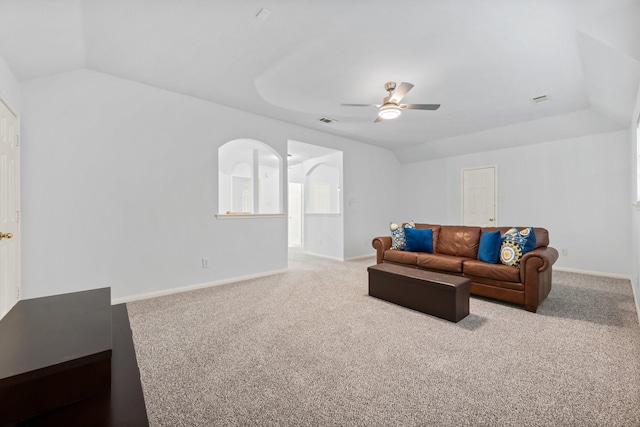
295	214
479	197
9	210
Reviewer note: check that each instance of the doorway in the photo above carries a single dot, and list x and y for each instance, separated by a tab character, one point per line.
479	197
9	209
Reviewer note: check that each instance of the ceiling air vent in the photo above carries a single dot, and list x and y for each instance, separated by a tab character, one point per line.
327	120
540	99
263	14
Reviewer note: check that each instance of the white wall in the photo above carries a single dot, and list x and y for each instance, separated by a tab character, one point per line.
120	188
372	198
296	173
635	213
324	235
576	188
9	86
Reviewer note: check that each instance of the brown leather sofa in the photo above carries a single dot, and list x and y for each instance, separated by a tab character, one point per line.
456	252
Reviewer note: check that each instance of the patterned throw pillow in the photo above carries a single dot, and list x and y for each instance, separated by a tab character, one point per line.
398	239
515	244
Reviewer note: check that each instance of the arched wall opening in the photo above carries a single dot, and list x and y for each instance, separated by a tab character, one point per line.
249	178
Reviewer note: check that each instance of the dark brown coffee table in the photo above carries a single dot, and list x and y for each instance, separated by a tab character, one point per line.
442	295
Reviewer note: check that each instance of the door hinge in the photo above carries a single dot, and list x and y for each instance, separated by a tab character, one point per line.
17	216
17	140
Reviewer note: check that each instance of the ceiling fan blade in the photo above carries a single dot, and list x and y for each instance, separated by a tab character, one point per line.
419	106
378	119
400	92
360	105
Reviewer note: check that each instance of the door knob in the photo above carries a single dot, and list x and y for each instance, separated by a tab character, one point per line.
5	235
490	219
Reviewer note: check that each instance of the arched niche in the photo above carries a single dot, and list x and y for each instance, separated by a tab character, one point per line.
250	178
322	182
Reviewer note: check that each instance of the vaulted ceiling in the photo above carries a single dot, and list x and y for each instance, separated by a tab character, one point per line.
298	61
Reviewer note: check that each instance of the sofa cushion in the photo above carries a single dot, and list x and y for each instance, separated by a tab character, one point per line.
419	240
499	272
401	257
440	262
458	241
515	244
398	239
489	249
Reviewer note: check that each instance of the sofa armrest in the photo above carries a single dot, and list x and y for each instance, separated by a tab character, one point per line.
545	258
381	244
535	274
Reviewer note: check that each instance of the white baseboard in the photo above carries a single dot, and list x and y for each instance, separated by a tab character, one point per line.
355	258
592	273
636	296
192	287
324	256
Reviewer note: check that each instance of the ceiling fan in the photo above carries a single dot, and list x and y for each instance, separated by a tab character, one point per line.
390	107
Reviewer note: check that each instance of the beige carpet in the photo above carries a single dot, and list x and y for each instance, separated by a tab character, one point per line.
310	347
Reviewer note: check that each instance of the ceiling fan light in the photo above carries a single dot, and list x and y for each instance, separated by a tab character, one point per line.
388	112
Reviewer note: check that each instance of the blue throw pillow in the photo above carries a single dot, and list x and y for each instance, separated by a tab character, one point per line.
419	239
489	250
529	237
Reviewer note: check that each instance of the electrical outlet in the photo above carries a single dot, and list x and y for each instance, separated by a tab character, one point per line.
565	251
205	262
